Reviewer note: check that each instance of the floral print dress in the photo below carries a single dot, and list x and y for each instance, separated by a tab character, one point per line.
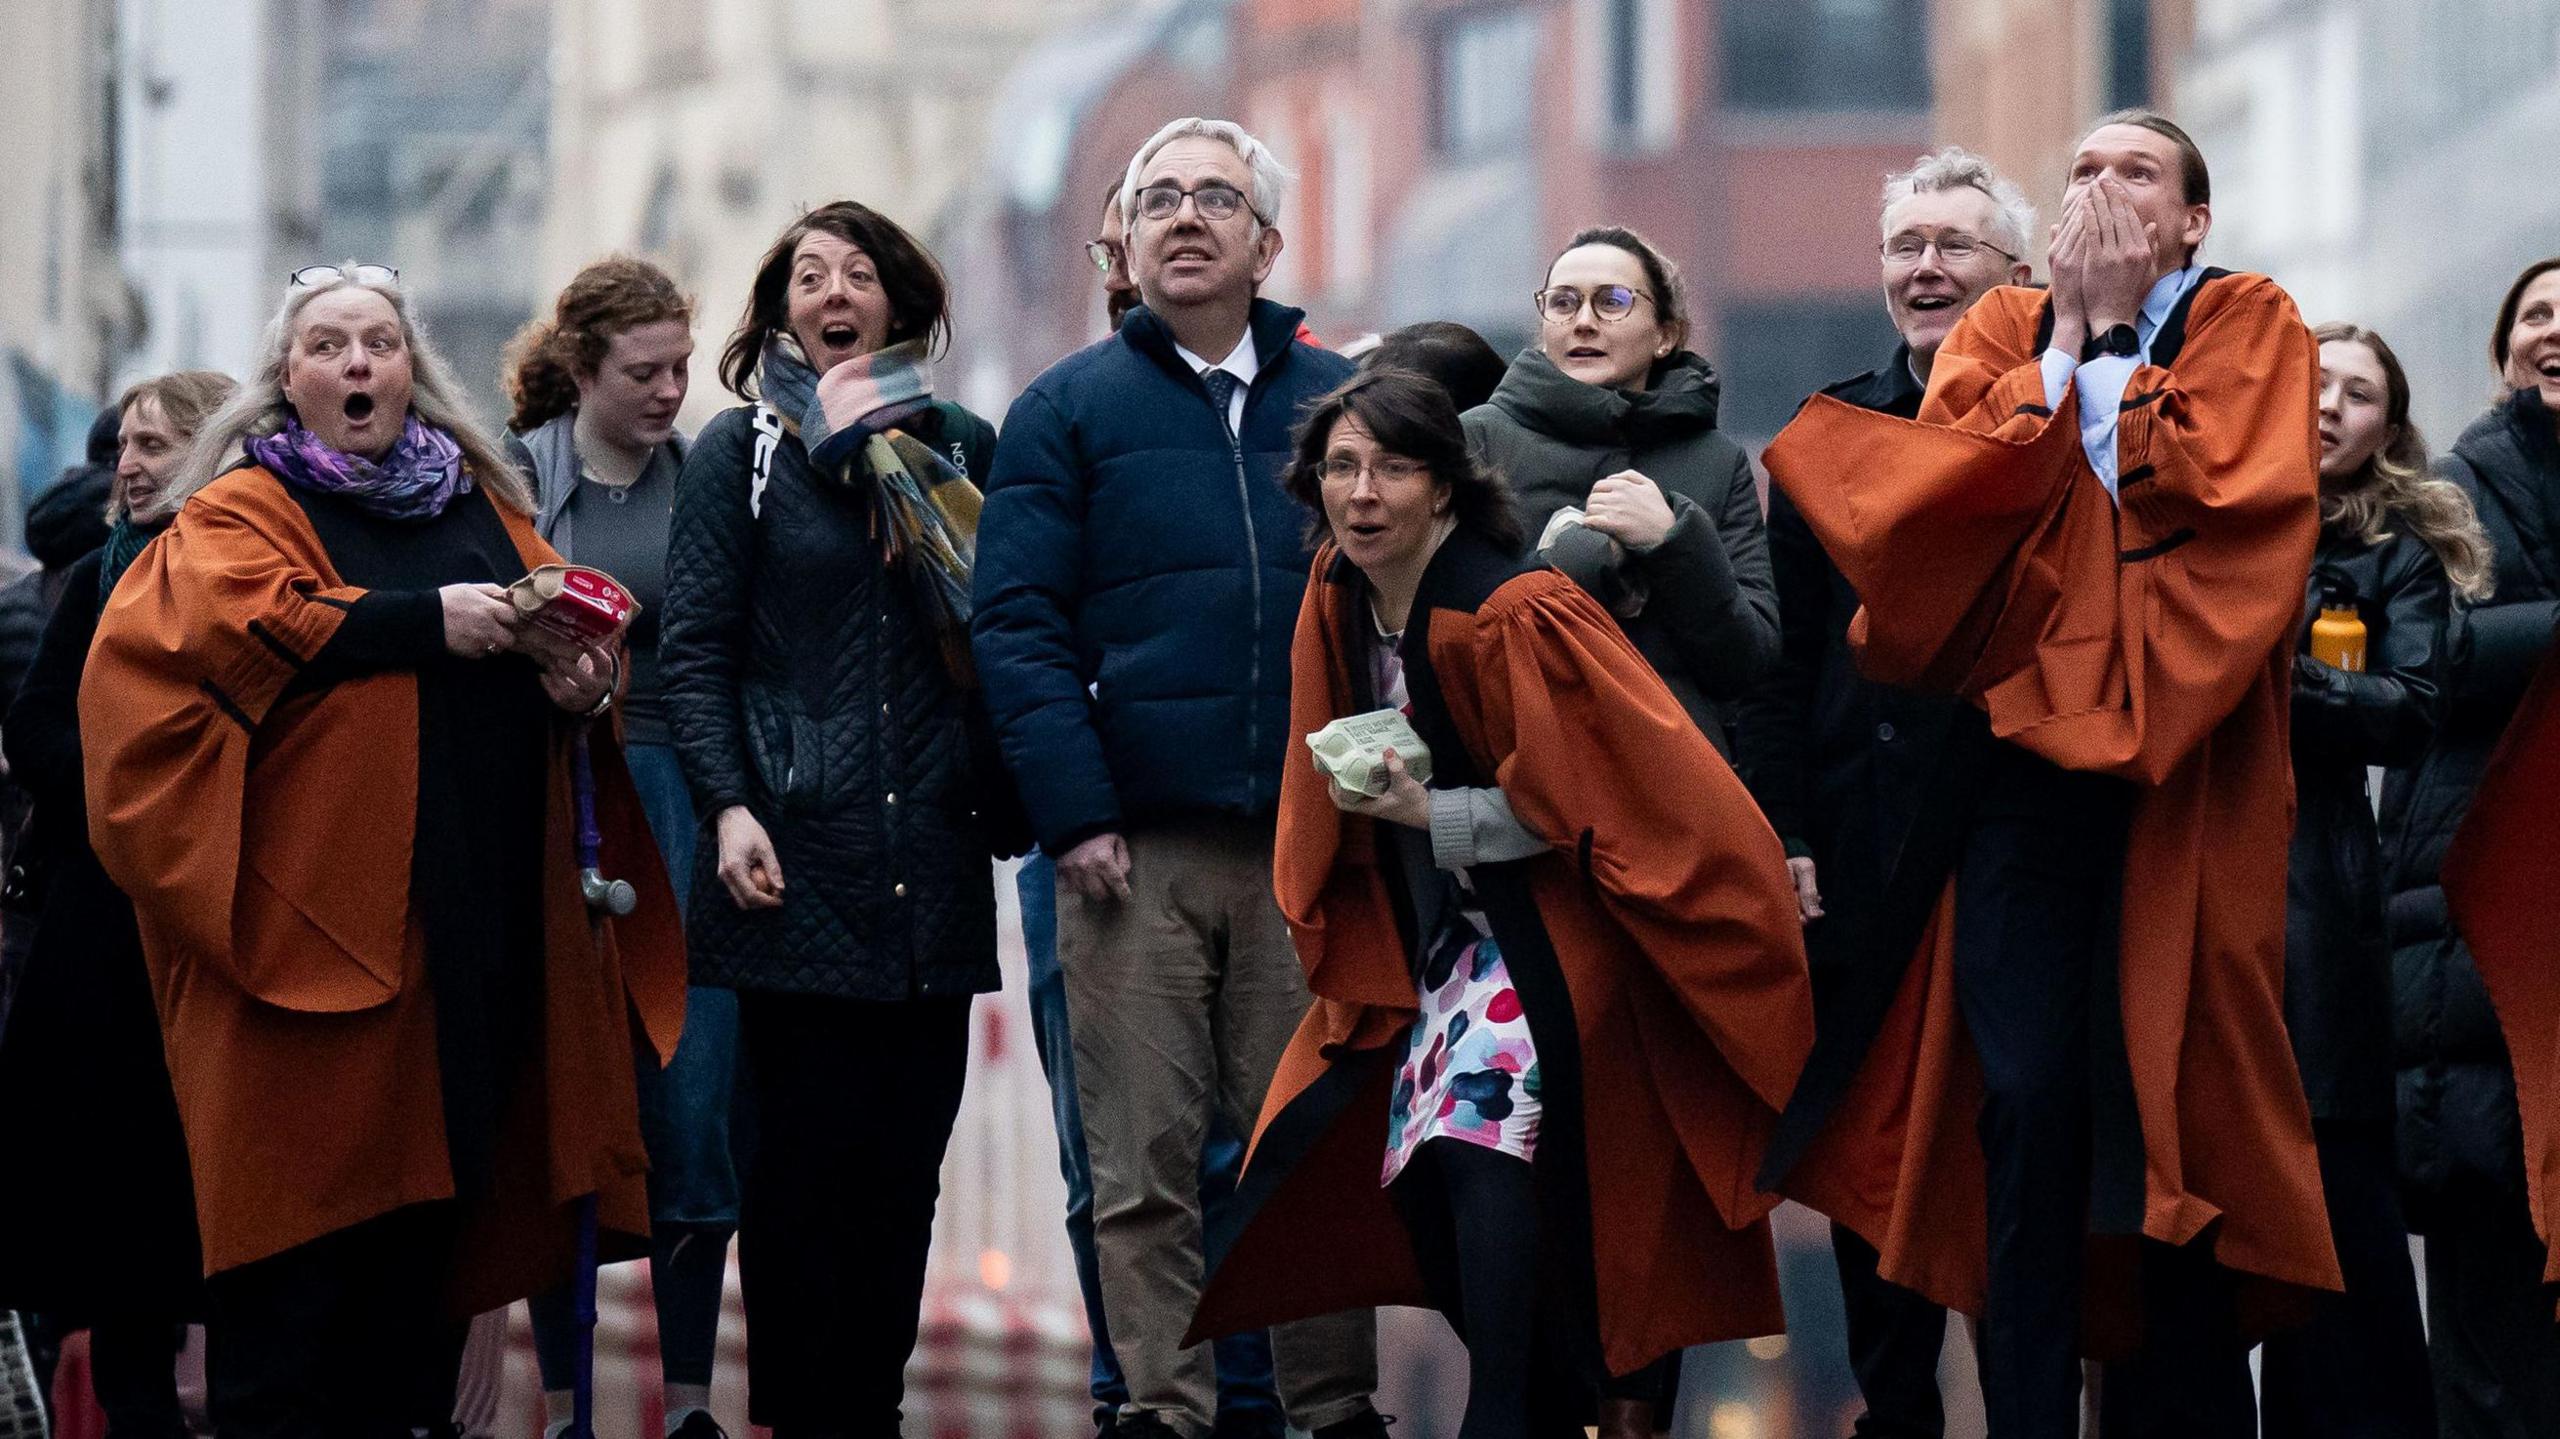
1470	1070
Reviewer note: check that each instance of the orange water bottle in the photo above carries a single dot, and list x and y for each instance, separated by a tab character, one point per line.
2337	636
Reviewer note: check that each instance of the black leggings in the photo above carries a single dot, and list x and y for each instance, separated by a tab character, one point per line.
688	1270
1474	1215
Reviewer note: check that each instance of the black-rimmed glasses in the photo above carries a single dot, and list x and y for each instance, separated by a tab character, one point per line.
1215	200
1103	254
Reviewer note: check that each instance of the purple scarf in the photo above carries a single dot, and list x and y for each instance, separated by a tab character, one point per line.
420	475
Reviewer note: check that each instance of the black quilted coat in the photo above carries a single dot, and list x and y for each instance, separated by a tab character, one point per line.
2458	1123
2337	959
802	679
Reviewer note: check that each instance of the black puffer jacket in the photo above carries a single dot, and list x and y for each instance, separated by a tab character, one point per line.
1839	763
802	679
1710	619
2337	981
64	523
2458	1119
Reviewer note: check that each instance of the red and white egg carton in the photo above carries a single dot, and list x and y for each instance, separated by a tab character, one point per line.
577	601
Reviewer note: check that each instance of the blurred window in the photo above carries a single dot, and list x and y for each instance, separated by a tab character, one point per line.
1485	71
1777	351
679	41
1627	70
2128	53
1826	55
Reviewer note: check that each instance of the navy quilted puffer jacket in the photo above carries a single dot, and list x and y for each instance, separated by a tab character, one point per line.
802	680
1139	580
2458	1119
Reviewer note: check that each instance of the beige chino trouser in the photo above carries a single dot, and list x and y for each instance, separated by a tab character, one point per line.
1180	997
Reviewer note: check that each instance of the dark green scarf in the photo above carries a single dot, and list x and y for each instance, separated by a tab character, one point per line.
124	546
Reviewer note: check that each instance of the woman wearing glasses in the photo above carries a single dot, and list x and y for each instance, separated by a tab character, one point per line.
1580	916
815	667
1606	431
333	770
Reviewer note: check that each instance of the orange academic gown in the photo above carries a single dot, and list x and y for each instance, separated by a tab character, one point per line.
2499	879
265	840
1654	946
2151	640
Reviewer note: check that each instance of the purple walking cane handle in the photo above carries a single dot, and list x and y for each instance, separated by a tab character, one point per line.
605	896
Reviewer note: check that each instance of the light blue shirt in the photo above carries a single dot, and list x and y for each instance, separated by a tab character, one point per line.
2101	382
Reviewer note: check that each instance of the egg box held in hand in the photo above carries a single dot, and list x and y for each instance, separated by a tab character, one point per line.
1353	750
577	601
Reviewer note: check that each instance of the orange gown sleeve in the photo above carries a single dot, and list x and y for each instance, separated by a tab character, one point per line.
2498	880
196	646
2104	634
1324	871
1598	759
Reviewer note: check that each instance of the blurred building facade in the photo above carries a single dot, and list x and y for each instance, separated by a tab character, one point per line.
692	131
2020	80
2389	161
432	156
1447	150
65	311
220	183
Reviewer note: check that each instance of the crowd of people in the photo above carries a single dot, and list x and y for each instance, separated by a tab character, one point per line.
1974	845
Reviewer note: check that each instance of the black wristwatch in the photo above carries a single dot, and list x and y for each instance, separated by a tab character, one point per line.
2121	340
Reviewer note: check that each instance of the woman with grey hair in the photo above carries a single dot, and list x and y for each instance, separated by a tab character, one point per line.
333	769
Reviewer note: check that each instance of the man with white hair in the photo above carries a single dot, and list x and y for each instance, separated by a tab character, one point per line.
1138	582
1841	764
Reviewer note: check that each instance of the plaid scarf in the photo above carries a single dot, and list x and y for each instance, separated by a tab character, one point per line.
927	516
420	475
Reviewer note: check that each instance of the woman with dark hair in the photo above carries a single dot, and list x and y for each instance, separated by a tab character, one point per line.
1606	431
333	768
107	1239
595	387
1581	914
1444	351
815	668
2395	544
2491	1337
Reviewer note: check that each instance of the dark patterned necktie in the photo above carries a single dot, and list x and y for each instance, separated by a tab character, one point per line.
1222	392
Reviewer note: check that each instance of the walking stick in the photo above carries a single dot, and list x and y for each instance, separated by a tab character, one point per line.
604	897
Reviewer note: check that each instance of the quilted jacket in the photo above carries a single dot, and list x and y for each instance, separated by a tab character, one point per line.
2458	1121
802	680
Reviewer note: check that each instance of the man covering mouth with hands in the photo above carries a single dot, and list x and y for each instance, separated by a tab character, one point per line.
2096	534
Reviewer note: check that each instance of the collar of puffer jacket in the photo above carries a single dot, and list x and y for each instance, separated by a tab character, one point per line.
2524	423
1682	401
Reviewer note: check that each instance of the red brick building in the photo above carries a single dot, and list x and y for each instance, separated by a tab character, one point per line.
1447	148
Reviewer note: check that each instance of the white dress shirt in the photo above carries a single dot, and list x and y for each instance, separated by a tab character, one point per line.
1240	362
2101	382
